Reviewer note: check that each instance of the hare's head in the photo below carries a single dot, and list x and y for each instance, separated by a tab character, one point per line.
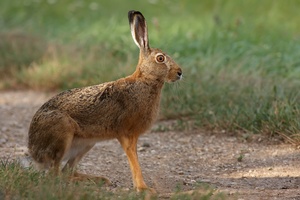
153	63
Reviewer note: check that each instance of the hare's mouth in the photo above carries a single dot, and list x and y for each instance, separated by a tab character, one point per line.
178	77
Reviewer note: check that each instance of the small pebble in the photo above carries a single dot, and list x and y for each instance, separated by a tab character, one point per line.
3	141
146	144
181	173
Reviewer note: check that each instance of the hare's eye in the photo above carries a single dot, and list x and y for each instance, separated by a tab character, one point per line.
160	58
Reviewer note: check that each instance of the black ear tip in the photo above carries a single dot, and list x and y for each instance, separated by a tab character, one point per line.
131	13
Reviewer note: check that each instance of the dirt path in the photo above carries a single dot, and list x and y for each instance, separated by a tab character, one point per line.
172	159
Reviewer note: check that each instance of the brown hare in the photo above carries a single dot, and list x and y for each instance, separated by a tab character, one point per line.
67	126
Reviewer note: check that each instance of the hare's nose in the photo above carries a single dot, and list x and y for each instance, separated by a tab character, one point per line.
179	74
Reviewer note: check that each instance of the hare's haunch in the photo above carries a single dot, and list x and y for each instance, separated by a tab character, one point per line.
67	126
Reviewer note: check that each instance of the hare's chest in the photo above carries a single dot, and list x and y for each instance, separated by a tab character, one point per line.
142	119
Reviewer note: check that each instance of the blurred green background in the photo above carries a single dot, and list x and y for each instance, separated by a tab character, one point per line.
240	58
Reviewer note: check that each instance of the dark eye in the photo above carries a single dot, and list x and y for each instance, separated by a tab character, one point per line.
160	58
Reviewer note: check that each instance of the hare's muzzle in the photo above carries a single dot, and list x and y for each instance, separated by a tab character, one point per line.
174	75
179	74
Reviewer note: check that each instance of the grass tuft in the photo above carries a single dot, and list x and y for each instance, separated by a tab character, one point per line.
17	182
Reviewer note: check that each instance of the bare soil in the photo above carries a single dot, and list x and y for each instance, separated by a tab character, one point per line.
240	169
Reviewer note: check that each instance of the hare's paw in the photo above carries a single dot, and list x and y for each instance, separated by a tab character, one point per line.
146	190
83	177
148	193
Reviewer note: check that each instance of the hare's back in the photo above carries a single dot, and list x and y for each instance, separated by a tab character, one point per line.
112	106
80	100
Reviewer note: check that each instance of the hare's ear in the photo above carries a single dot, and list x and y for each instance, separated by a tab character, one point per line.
138	27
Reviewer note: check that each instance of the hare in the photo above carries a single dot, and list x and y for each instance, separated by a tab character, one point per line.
67	126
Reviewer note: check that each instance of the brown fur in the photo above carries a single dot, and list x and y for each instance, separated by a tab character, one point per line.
72	122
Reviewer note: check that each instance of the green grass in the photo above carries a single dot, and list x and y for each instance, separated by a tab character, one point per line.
241	59
17	182
20	183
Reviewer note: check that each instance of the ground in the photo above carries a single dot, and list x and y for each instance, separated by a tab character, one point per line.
254	169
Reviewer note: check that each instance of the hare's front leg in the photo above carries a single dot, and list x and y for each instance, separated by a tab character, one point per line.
129	145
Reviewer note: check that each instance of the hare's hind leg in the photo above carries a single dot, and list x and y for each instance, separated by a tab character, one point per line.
129	145
78	149
75	154
50	136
